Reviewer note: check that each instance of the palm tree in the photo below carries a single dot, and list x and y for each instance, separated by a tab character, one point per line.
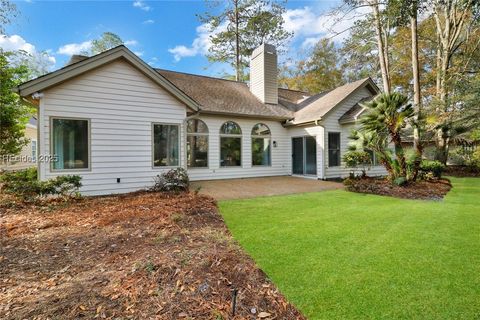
387	115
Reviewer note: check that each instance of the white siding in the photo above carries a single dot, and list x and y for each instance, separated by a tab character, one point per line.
331	124
263	74
121	104
281	155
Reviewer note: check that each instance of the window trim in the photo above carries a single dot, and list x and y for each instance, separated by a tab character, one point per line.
339	149
229	135
89	147
269	136
34	158
193	134
375	162
178	125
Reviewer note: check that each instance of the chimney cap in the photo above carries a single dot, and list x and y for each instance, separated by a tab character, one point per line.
264	47
76	58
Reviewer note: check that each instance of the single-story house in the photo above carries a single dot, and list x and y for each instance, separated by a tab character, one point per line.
118	122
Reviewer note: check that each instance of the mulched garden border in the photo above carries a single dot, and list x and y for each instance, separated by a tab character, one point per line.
422	190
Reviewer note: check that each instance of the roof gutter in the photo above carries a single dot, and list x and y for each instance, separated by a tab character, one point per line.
316	122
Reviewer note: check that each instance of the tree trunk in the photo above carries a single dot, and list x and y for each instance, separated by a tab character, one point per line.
441	153
417	143
399	153
450	17
237	44
381	47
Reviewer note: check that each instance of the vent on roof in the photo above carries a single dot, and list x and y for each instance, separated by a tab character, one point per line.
263	74
76	58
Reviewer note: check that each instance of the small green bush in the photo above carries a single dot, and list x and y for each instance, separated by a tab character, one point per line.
475	162
400	181
357	160
172	180
25	185
434	167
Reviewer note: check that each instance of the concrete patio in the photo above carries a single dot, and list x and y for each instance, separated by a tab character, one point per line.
258	187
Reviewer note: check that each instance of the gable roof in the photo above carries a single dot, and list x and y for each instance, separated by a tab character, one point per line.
354	112
214	95
221	96
80	67
319	105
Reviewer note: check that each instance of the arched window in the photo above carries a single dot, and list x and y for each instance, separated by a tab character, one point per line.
197	144
261	145
230	145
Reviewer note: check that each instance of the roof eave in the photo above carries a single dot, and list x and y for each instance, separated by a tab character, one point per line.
364	83
73	70
244	115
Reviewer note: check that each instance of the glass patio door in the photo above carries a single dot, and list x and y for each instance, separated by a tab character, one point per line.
297	155
304	155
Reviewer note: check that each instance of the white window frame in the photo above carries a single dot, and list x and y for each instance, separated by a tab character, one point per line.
153	145
226	135
89	147
269	136
339	149
192	134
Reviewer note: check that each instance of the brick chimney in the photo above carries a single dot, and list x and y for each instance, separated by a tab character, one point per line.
263	74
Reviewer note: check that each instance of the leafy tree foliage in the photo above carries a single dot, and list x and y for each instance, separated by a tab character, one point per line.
108	40
14	114
359	58
386	116
321	71
240	27
8	11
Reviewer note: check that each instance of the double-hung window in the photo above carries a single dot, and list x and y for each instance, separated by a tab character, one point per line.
334	149
166	145
70	143
197	144
261	145
373	157
230	145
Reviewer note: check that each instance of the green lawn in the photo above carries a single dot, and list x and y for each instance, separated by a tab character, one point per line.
340	255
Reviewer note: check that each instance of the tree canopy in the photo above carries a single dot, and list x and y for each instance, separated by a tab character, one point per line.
107	40
240	27
14	114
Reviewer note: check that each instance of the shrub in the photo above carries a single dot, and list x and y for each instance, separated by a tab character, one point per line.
400	181
357	159
24	185
434	167
475	161
172	180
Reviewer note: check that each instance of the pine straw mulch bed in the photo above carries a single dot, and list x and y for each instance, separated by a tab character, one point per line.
139	256
421	190
461	171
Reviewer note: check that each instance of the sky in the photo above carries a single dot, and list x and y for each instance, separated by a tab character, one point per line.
165	34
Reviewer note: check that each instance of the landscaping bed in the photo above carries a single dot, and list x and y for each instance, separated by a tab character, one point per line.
423	190
462	171
140	256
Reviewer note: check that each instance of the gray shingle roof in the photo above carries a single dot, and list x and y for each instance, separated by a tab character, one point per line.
354	112
322	104
222	96
211	95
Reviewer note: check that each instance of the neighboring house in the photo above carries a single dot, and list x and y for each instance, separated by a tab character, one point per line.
28	156
118	122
